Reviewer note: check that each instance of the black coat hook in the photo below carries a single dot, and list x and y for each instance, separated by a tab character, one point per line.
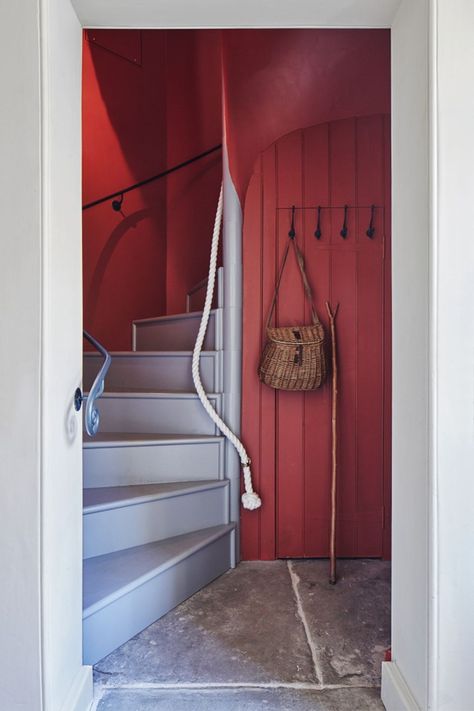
371	230
318	232
343	232
292	232
117	204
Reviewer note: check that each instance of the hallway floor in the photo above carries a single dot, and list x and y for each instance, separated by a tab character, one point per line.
267	635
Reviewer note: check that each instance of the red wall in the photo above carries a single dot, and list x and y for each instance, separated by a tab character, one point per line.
276	82
124	140
151	99
194	119
288	434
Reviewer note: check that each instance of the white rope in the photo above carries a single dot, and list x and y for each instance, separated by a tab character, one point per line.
250	499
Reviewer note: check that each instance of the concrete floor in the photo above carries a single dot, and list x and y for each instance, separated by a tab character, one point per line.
270	636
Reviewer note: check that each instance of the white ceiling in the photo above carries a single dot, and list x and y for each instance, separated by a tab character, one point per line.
235	13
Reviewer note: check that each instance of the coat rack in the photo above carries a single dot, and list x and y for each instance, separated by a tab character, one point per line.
344	231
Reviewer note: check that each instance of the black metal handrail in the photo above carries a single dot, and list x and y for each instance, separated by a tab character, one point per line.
120	193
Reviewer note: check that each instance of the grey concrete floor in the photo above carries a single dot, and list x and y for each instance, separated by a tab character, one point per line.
267	635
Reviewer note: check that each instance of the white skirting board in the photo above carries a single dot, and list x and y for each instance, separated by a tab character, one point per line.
81	693
396	694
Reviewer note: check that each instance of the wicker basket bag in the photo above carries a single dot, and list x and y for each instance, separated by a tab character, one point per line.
293	356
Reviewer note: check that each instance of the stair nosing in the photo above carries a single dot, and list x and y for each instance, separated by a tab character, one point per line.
218	532
194	487
119	439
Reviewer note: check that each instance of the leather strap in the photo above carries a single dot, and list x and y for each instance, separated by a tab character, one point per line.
307	288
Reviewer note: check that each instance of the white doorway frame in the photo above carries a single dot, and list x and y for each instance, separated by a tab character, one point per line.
41	508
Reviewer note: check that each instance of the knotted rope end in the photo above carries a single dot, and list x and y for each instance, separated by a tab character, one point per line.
251	501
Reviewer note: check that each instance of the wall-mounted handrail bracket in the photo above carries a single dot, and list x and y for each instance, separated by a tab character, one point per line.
91	415
117	204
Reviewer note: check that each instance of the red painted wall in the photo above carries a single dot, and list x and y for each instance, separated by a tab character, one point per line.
288	434
151	99
276	82
194	120
124	140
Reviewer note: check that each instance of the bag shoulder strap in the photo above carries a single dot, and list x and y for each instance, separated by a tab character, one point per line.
306	285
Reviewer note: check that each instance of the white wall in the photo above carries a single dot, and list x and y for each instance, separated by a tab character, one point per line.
454	344
433	388
67	684
411	288
41	301
20	389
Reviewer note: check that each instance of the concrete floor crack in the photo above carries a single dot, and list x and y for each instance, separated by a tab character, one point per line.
315	655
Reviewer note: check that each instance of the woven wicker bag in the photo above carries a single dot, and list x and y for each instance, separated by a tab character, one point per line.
293	356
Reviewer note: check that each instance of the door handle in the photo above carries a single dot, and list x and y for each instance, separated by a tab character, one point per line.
78	398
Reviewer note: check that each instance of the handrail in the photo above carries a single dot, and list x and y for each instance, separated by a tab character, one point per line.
92	416
117	204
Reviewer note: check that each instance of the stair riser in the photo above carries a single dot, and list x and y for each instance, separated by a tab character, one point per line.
113	625
133	464
177	334
155	372
196	297
140	523
167	415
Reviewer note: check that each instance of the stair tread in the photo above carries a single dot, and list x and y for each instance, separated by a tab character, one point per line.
174	317
108	577
144	438
109	497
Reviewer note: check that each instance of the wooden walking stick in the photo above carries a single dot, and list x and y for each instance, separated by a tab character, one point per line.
332	535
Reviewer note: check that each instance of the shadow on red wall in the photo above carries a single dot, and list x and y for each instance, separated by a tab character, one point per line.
194	120
124	139
151	99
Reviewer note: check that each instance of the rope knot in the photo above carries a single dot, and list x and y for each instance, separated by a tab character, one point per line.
251	501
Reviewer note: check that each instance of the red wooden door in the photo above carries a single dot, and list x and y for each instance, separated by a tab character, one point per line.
288	434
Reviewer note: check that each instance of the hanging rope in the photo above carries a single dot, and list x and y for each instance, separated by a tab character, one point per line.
250	499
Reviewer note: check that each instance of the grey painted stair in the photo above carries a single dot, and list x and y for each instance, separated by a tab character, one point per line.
119	459
166	413
122	517
126	591
157	370
176	332
156	503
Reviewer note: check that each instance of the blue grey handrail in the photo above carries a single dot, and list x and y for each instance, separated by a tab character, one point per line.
92	416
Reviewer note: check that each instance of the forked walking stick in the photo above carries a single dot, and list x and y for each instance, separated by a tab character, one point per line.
332	534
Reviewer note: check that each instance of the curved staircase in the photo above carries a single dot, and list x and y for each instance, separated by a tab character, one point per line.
156	501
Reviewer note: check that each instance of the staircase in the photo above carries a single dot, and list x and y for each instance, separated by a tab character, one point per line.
156	501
